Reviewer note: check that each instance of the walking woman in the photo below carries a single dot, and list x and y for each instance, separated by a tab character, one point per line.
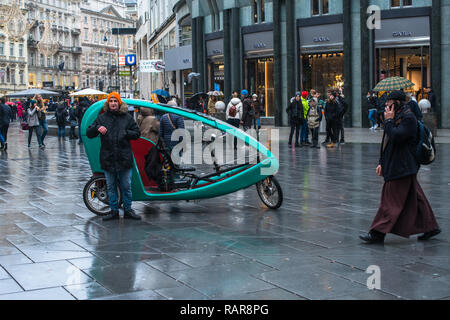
33	123
404	210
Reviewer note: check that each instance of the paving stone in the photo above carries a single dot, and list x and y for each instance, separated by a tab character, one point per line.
43	294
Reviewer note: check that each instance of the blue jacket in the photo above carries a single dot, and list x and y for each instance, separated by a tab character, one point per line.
166	128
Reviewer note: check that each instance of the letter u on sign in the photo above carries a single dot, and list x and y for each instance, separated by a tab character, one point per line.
130	59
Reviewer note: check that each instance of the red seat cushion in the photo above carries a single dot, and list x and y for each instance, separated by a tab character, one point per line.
140	148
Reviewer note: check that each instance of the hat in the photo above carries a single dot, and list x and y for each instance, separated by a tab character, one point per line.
305	94
298	94
397	95
114	95
244	92
255	95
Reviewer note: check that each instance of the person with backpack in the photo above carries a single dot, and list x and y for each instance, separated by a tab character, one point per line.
61	119
234	114
170	122
314	117
73	121
404	209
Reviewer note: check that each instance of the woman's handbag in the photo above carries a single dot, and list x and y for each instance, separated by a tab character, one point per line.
24	125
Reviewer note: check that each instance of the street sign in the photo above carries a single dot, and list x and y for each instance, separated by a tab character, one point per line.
130	59
125	73
151	66
121	61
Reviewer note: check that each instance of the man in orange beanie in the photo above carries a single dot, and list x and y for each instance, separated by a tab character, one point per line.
116	127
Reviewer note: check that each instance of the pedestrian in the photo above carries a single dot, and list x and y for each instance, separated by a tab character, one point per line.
61	120
20	111
342	107
404	209
332	117
257	111
432	98
73	121
33	123
247	110
314	117
211	105
13	107
148	124
116	127
295	115
5	119
233	114
372	102
42	117
170	122
413	106
304	130
81	109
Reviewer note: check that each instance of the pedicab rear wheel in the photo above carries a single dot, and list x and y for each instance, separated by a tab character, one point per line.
270	193
95	195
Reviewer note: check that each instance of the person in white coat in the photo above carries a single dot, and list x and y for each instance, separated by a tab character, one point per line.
234	115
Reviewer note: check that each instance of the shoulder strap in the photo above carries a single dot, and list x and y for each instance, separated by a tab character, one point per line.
171	123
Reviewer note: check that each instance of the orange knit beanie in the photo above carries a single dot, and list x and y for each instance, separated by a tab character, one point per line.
115	95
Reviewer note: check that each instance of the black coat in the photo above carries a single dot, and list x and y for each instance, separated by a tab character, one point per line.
295	112
397	158
116	153
61	115
247	112
332	111
415	109
5	114
81	109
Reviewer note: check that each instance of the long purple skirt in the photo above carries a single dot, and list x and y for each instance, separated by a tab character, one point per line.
404	210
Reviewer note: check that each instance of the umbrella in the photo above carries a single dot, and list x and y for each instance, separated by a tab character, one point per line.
199	95
10	103
32	93
88	92
393	83
162	93
218	93
211	93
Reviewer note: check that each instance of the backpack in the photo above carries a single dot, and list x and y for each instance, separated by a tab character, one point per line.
425	149
232	111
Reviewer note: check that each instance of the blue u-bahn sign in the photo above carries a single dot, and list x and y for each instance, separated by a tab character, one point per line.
130	59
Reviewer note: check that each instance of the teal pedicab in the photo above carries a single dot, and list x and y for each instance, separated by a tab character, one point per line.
188	185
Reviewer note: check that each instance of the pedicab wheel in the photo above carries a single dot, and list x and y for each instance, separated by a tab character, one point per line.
95	195
269	190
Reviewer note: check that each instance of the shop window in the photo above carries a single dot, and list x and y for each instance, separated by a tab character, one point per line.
400	3
320	7
258	10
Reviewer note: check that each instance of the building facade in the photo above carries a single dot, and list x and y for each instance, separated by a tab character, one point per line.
62	71
102	48
275	48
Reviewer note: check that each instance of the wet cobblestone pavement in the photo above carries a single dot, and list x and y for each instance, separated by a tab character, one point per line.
232	247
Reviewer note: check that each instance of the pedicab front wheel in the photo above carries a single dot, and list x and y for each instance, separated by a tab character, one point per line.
269	190
95	195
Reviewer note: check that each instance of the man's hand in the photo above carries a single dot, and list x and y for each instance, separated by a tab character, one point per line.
390	113
379	170
102	130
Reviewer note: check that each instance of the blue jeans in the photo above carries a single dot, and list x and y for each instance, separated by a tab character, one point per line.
61	131
125	187
373	117
1	138
44	127
257	123
304	133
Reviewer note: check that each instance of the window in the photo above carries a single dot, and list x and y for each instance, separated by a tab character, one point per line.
11	49
320	7
86	35
20	50
32	59
2	48
13	76
42	60
21	77
400	3
85	20
2	75
48	62
259	15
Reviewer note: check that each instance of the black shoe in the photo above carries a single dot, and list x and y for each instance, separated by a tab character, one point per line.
289	145
373	237
342	141
113	215
429	234
326	142
5	146
2	146
131	215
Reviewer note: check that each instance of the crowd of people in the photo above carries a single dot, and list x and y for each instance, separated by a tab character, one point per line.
32	115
